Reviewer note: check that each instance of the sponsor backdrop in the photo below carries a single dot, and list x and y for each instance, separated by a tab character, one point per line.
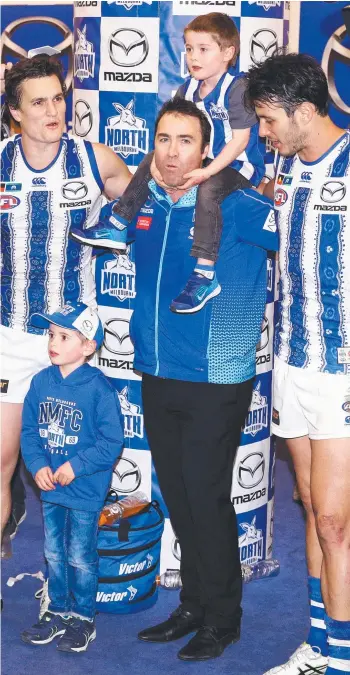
329	42
128	59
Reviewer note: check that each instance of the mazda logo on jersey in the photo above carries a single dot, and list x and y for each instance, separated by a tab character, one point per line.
263	44
175	548
117	337
333	191
126	476
82	118
75	189
251	470
128	47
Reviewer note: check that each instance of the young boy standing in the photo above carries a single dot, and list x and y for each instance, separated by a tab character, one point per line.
235	161
71	438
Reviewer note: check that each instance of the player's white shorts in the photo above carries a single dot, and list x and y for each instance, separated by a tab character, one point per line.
22	356
309	404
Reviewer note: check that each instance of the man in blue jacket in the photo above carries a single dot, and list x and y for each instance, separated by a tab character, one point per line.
198	371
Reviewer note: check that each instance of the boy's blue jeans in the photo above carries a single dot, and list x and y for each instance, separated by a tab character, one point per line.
71	554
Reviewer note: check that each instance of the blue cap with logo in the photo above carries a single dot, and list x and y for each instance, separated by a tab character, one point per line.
75	317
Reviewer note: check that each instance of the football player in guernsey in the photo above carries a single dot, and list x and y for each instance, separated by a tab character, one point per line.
311	404
49	181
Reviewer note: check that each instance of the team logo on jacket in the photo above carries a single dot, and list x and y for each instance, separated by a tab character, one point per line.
118	277
84	56
126	133
133	419
250	543
258	413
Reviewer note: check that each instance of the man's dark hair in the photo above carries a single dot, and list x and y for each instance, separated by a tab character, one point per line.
180	106
28	69
287	80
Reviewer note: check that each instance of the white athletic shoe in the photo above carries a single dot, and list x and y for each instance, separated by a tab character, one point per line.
304	661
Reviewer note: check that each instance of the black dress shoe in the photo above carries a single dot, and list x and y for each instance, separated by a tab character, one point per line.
208	643
180	623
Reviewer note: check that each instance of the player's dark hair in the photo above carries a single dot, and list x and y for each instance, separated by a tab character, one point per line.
287	80
28	69
221	28
180	106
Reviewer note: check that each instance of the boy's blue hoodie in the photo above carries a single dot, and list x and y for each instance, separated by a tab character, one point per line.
75	419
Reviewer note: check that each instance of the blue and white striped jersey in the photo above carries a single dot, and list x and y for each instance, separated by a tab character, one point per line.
312	202
225	111
42	267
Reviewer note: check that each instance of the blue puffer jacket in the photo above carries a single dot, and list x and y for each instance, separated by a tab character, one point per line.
218	343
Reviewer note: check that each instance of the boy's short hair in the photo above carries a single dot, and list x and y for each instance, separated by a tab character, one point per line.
221	28
41	65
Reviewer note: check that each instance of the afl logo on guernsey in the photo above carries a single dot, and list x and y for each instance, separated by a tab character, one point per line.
8	202
280	197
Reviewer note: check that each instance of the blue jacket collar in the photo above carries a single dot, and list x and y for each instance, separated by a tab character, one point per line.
188	200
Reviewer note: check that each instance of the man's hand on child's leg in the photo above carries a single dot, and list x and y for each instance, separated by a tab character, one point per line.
64	474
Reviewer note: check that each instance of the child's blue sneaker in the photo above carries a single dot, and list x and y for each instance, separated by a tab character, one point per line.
78	636
47	629
108	234
198	290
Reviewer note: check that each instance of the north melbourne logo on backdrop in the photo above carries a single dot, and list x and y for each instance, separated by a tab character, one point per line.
126	133
118	277
84	56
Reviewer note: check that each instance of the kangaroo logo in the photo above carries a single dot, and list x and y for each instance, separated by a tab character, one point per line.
84	56
129	4
118	277
55	435
126	133
133	419
257	417
149	559
216	112
250	543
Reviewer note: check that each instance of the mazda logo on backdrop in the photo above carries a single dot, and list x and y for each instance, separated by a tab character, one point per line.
333	191
128	47
336	51
82	118
175	548
251	470
75	189
126	476
117	337
263	44
265	335
9	47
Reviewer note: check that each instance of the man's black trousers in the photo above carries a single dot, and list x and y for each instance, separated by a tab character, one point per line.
193	430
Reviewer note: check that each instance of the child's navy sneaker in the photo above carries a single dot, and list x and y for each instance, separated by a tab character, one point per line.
198	290
47	629
78	636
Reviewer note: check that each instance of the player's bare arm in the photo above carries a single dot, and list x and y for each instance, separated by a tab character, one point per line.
114	173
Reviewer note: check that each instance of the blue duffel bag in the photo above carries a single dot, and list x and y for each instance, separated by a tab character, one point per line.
129	558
